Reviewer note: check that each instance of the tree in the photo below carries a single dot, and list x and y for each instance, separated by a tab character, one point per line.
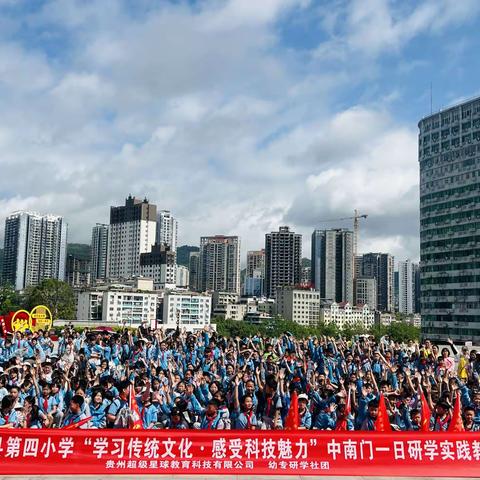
56	295
10	300
403	332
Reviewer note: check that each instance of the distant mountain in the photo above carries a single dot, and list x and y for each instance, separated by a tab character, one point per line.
79	250
183	254
306	262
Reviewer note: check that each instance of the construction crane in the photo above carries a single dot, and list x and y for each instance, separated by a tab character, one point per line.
356	217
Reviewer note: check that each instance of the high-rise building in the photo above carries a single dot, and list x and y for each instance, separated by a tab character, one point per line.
253	286
357	266
366	292
183	276
78	271
406	287
416	273
449	157
132	232
167	229
159	264
99	252
255	261
380	266
219	264
332	264
395	290
283	256
306	277
193	268
255	273
34	248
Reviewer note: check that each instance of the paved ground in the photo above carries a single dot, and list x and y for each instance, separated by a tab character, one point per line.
212	477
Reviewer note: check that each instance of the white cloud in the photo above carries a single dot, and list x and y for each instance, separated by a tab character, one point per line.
374	171
372	27
202	110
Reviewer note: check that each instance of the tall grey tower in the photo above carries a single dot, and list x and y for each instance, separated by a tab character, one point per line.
167	230
449	157
332	264
34	248
406	287
283	256
380	266
132	232
99	252
219	264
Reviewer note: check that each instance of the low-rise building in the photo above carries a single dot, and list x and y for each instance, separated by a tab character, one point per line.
129	308
298	305
188	310
384	318
220	300
344	315
118	305
89	306
236	311
416	320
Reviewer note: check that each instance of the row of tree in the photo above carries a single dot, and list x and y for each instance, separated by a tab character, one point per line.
56	295
59	298
398	331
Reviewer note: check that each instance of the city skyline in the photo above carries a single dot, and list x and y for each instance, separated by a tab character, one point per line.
288	120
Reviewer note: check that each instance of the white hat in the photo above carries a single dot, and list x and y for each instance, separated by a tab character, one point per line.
303	396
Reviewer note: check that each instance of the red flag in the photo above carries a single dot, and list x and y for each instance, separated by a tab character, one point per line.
292	420
456	424
73	426
342	424
132	403
425	412
382	424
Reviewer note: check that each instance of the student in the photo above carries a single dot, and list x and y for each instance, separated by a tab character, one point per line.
177	420
245	418
441	418
469	422
344	419
118	411
415	423
327	418
148	412
8	416
211	418
304	414
270	403
75	414
372	414
46	402
98	409
32	416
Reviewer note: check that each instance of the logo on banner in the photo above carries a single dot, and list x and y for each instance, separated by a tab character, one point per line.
20	321
40	318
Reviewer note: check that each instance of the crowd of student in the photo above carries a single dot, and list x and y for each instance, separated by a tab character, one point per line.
205	381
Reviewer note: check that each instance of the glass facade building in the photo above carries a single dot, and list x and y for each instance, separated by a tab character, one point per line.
449	157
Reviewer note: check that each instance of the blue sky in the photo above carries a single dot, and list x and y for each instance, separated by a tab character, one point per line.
237	115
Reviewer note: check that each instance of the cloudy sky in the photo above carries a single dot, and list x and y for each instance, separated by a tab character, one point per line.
237	115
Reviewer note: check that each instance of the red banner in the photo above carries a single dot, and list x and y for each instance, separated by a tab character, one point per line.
29	452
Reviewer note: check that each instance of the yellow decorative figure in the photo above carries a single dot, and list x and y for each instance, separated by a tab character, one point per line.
40	318
20	321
